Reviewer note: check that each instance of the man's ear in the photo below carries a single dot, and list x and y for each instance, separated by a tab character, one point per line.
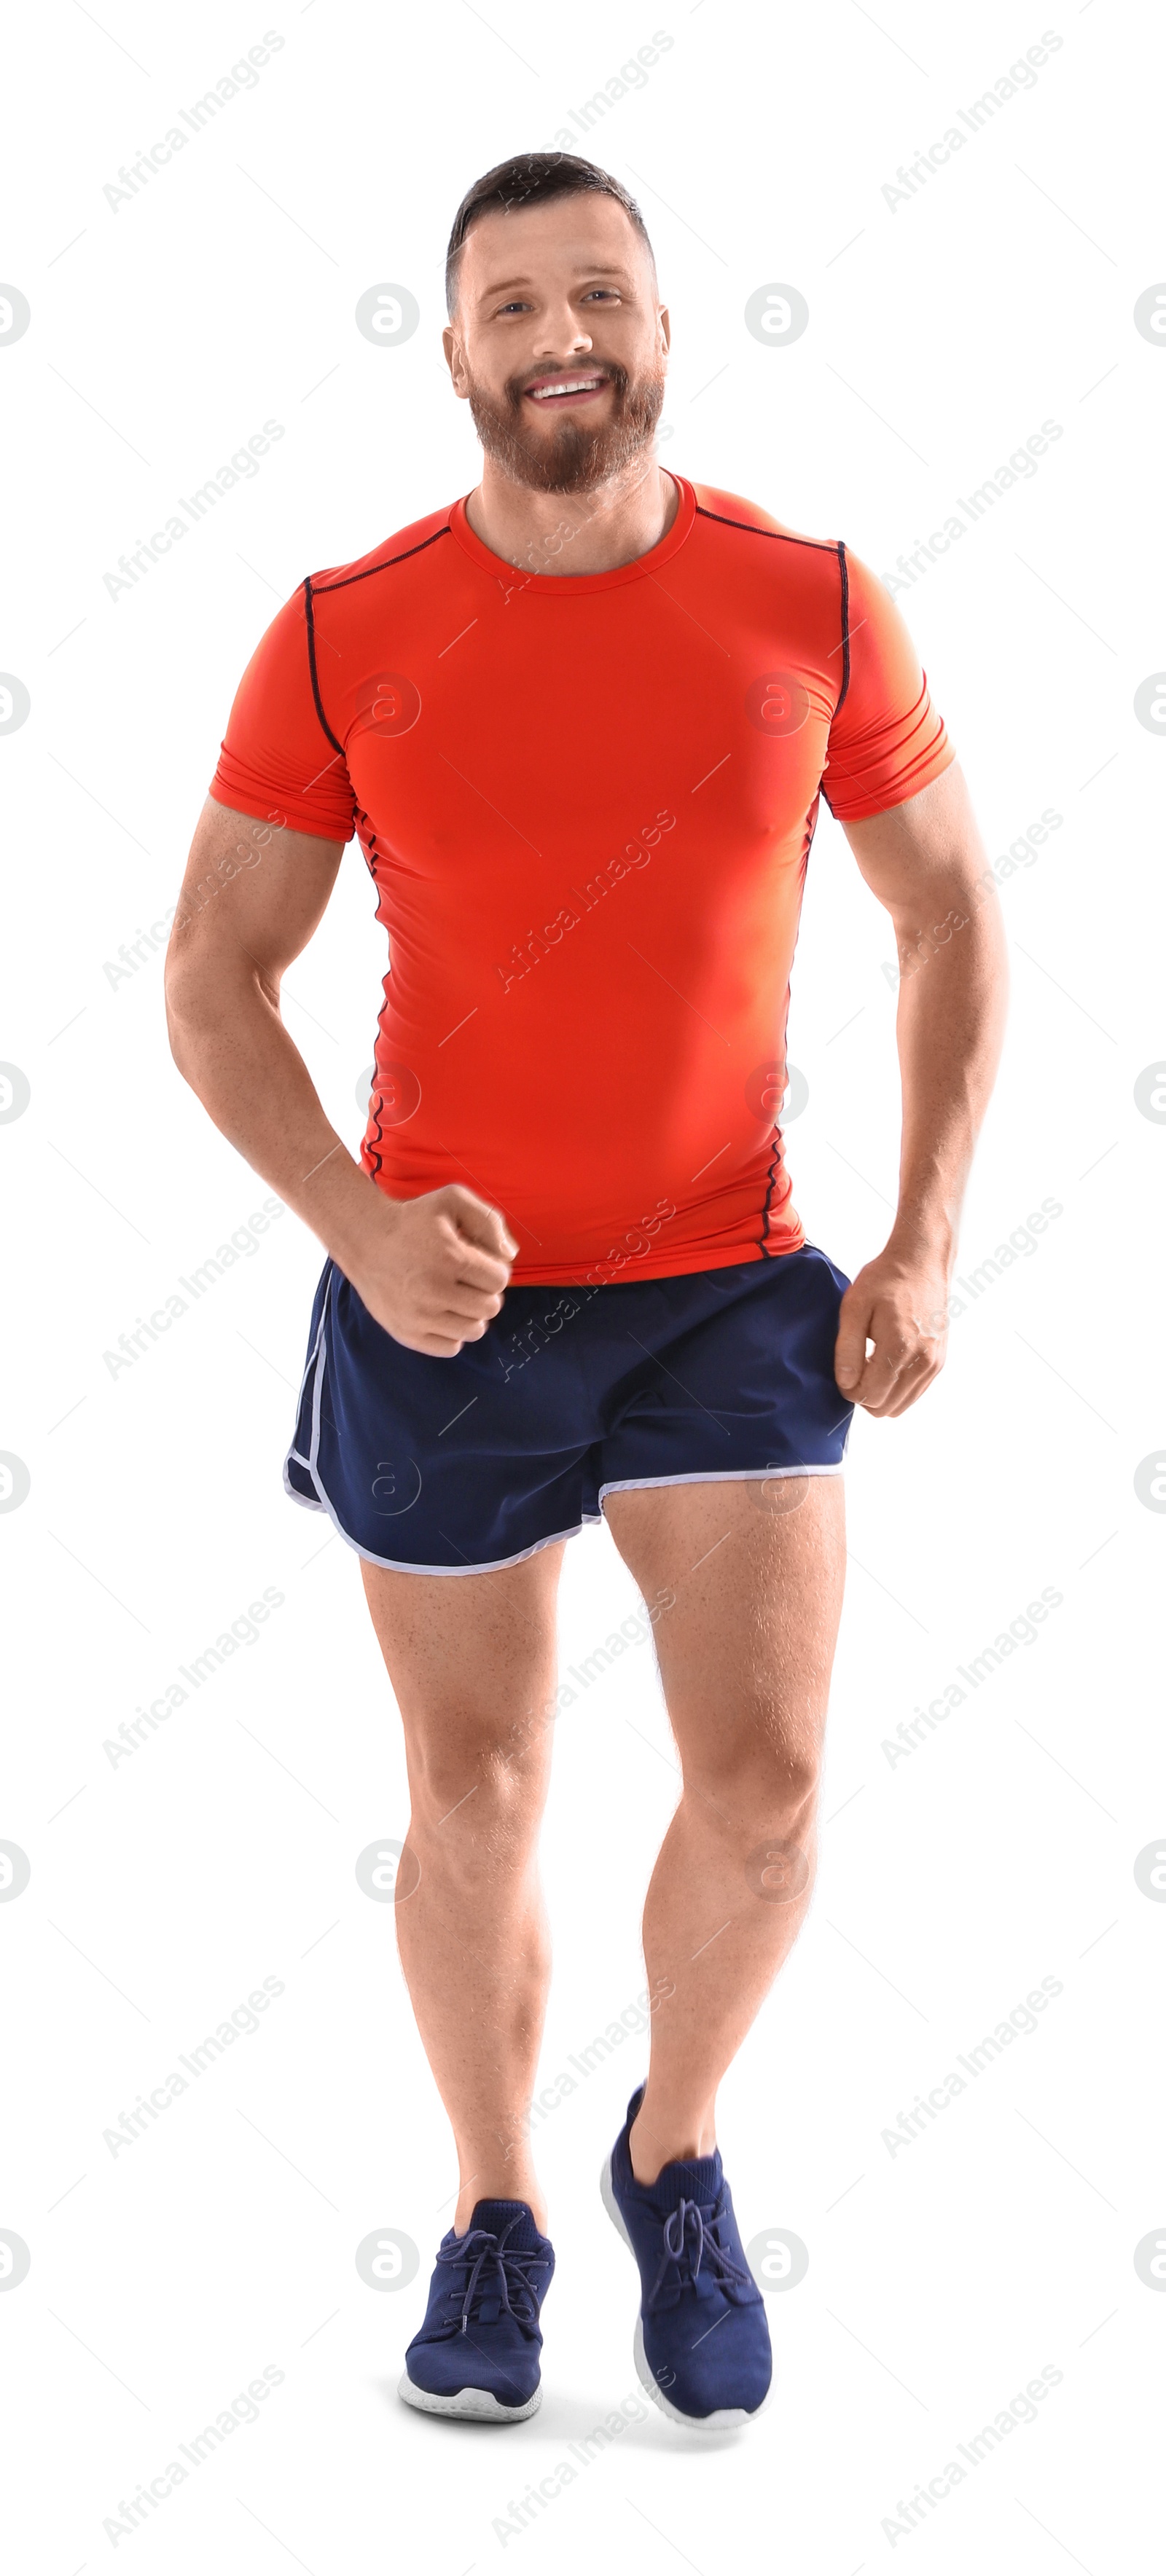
449	342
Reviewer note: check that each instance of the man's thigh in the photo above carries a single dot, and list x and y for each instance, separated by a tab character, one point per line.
472	1662
746	1644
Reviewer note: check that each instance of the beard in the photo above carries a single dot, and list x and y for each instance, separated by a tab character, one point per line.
576	457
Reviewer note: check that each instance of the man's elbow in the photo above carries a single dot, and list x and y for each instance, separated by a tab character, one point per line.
182	1020
188	991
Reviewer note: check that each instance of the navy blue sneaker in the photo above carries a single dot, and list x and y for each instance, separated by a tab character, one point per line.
478	2351
702	2341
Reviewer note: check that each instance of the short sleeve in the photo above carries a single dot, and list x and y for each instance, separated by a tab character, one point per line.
277	760
886	739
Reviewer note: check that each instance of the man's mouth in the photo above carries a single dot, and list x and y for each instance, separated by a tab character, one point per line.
553	390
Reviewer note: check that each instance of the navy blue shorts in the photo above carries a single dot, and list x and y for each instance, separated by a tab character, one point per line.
459	1466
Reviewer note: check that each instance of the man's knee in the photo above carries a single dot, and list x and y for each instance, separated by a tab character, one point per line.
479	1787
758	1785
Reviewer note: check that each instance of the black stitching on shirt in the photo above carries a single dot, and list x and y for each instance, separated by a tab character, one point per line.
347	578
845	626
311	625
821	545
774	1161
343	584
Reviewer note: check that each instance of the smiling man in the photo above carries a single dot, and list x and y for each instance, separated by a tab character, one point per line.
581	721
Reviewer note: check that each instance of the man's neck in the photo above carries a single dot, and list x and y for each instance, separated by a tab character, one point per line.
574	532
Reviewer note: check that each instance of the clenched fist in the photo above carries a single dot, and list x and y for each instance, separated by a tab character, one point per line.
898	1302
435	1269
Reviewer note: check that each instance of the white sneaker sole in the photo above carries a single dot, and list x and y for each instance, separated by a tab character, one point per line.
724	2418
479	2405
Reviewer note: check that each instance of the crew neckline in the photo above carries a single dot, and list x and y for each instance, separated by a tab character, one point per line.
574	582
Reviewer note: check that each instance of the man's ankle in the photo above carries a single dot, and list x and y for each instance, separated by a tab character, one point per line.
531	2196
676	2140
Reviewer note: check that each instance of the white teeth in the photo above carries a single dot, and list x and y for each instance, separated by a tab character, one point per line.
578	384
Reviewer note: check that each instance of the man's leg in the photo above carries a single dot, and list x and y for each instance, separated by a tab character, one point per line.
745	1657
471	1658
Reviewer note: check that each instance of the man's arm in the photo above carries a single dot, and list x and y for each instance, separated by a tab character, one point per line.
926	862
430	1269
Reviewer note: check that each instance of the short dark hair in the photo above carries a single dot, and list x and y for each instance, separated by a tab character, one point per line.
531	178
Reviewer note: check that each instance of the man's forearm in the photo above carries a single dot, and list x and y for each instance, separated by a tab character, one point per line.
952	999
925	861
230	1044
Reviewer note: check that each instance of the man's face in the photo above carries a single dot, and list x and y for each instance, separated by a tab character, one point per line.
554	295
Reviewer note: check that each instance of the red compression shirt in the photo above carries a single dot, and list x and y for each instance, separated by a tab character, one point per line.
586	802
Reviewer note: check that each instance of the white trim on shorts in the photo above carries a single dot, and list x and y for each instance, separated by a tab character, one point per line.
324	1503
318	1360
714	1476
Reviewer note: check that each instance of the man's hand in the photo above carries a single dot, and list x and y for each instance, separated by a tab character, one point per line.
899	1302
435	1269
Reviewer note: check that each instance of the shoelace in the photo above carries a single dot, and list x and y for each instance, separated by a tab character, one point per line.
495	2267
684	2223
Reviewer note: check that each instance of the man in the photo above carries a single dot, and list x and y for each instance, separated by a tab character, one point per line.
581	720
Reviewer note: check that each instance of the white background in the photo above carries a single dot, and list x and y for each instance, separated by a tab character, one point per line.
1001	1850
